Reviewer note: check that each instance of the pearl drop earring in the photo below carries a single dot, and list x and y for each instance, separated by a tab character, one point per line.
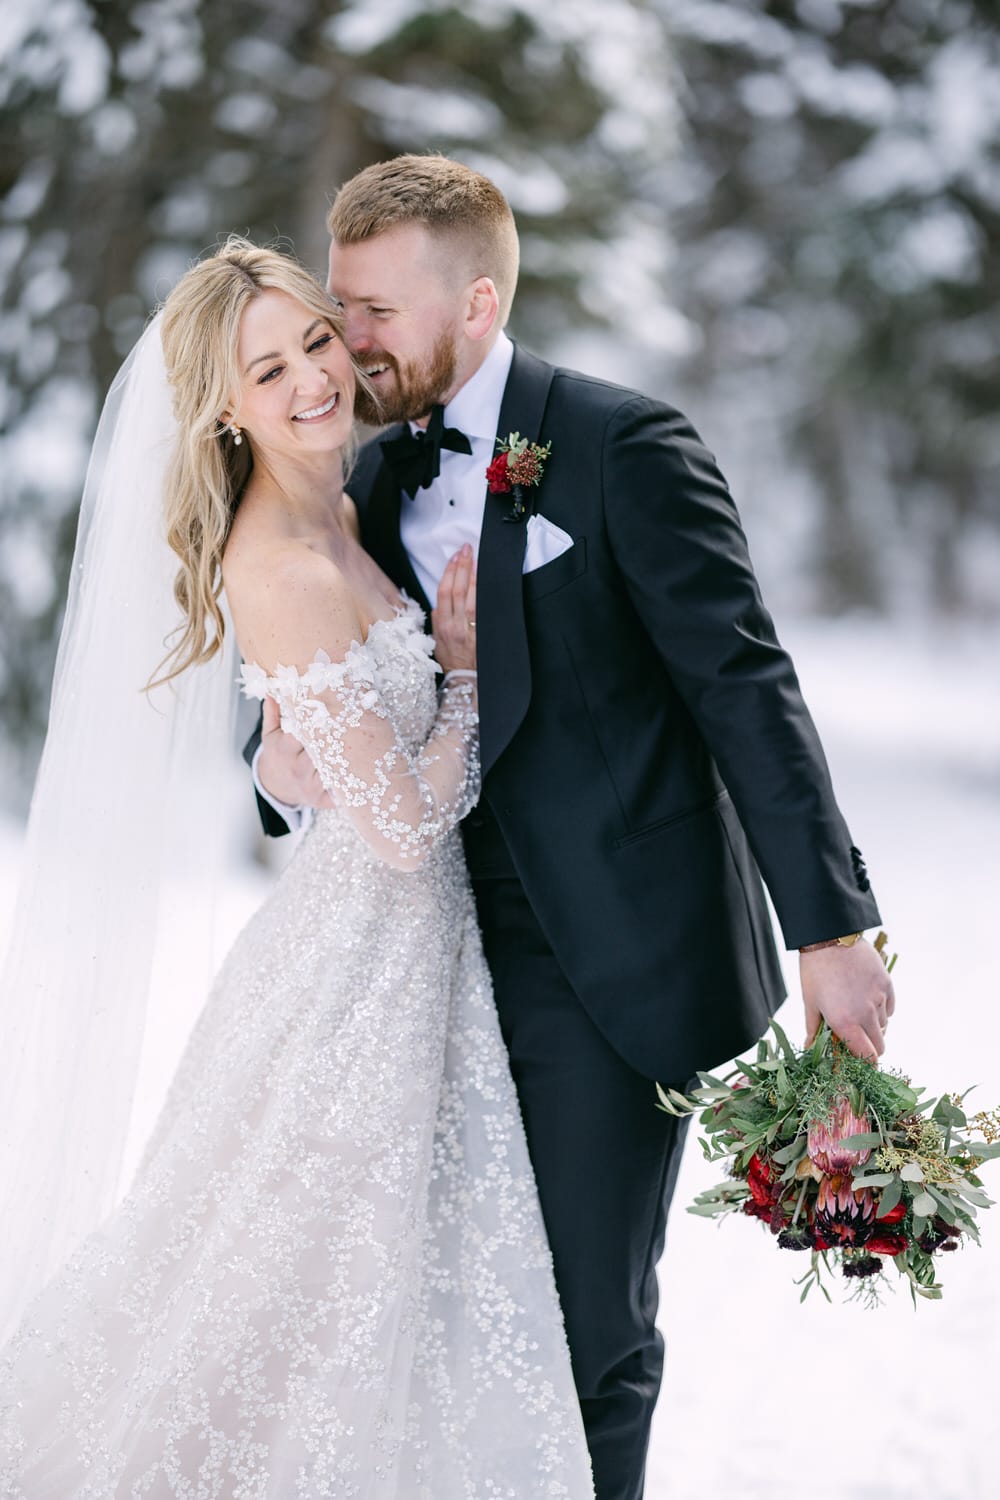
237	434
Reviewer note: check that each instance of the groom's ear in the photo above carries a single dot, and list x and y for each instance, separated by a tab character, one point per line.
482	308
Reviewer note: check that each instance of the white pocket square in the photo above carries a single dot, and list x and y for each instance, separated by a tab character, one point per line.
545	543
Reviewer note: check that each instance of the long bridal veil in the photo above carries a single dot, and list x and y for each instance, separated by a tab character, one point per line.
125	814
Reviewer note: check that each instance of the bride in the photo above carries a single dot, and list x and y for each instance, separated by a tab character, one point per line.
329	1277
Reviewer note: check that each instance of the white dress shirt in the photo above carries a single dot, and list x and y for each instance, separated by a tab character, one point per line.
449	512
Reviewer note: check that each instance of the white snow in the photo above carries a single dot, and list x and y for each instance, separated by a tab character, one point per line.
764	1399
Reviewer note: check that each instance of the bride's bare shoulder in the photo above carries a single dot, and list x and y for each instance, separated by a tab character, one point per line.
287	600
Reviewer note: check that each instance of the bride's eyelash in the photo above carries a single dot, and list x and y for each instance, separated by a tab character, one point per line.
319	343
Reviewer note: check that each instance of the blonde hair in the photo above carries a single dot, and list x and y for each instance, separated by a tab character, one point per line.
452	201
208	470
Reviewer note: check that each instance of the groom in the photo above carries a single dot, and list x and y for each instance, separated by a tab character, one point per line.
645	750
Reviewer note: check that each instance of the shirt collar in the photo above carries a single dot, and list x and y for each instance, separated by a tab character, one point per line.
475	409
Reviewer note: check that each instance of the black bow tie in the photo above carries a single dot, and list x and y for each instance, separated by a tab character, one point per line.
415	457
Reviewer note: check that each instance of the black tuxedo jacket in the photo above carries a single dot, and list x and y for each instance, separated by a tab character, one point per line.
645	745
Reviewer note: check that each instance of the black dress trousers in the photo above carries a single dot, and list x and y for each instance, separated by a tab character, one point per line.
605	1161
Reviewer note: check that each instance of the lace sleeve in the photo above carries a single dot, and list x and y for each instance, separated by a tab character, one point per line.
401	804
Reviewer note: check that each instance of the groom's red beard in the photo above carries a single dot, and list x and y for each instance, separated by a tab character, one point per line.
405	392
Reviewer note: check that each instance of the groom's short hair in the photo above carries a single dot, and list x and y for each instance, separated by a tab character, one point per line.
456	204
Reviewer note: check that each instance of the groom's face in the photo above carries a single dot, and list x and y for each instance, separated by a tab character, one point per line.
402	320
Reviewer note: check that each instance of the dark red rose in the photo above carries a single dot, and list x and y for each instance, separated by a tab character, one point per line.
496	476
894	1215
760	1180
886	1244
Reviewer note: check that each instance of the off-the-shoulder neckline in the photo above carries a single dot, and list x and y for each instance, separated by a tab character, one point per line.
408	610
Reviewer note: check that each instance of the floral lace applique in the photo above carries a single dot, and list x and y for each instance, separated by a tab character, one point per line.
400	760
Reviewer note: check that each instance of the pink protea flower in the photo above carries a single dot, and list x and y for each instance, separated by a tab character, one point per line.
837	1202
824	1140
842	1215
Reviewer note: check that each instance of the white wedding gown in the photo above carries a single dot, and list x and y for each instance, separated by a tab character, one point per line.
330	1277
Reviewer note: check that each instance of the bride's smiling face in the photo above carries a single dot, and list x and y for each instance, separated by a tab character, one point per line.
296	392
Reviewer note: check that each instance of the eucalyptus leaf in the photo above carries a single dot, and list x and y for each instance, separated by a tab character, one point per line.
890	1197
911	1171
923	1205
946	1209
983	1152
906	1095
976	1196
868	1138
946	1113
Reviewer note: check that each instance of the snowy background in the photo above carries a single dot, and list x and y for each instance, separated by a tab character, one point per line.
783	216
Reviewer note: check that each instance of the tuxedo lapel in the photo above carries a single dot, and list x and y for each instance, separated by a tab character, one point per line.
502	642
380	535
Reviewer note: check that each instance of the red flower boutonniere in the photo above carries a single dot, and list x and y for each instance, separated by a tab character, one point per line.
518	466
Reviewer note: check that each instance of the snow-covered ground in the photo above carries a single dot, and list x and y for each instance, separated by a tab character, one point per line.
764	1399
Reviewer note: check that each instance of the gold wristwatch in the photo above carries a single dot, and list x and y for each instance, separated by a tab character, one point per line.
839	942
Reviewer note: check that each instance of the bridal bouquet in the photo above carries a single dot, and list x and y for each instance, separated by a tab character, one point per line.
843	1161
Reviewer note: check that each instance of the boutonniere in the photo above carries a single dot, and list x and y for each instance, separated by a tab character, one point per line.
518	466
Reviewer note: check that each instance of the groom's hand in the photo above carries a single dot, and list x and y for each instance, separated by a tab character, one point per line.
284	769
850	989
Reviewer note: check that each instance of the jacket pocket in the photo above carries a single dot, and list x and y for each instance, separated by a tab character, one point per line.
664	823
556	574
